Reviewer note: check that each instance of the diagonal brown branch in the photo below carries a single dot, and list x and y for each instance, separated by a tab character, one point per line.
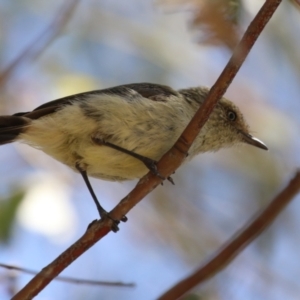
40	44
237	243
166	166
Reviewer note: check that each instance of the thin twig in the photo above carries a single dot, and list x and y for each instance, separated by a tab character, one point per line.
42	41
166	166
70	279
237	243
296	3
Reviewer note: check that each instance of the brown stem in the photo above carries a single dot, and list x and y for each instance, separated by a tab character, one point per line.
71	279
40	44
296	3
237	243
166	166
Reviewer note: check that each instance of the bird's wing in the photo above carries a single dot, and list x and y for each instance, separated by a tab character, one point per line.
155	92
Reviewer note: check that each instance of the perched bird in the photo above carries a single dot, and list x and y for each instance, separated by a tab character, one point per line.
119	133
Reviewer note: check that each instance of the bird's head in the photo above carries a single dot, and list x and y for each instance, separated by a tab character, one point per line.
225	127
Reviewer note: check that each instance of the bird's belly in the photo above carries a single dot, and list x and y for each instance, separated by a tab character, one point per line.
71	143
109	164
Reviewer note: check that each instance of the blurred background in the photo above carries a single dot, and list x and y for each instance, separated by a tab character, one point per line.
51	49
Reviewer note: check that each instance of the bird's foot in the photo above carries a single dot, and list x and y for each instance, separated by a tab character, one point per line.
115	223
152	166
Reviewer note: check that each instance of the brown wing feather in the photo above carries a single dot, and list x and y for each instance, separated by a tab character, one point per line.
147	90
12	126
151	91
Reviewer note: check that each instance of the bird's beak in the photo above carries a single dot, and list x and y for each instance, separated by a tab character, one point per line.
249	139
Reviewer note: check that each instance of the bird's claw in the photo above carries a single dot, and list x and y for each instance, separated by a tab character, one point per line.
171	180
151	165
115	223
114	227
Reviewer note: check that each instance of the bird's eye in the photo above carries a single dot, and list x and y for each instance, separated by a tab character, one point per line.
231	115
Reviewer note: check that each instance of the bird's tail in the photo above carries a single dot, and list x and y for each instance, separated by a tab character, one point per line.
11	127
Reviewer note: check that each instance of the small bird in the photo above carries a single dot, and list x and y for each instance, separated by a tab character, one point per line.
121	132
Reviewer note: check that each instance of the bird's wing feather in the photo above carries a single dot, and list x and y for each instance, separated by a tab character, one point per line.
155	92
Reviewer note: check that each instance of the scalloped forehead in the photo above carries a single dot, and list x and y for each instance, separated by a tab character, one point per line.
228	105
198	94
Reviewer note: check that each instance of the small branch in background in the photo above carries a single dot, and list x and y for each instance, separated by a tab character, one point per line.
70	279
40	44
8	282
237	243
166	166
296	3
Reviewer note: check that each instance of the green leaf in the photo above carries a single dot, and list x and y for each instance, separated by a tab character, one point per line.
8	209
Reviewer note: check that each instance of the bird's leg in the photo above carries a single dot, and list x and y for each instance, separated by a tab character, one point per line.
102	212
148	162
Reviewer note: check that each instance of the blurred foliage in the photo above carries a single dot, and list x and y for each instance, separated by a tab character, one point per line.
215	20
193	297
296	3
218	22
8	209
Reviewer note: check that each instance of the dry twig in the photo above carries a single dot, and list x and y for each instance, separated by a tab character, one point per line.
70	279
40	44
237	243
